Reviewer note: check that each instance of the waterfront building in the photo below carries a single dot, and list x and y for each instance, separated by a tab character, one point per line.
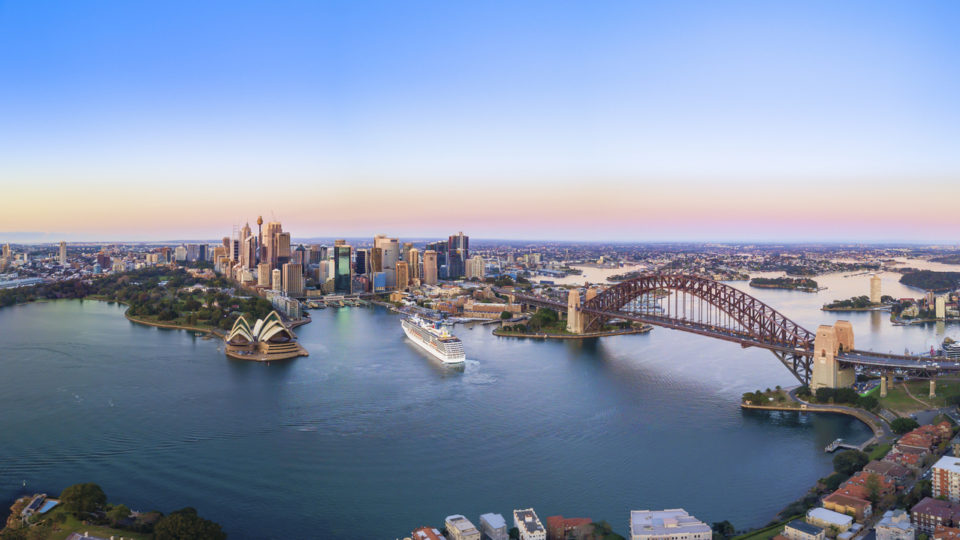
268	339
430	267
483	310
426	533
293	280
838	501
941	307
263	275
378	282
475	267
403	276
801	530
828	519
528	523
561	528
930	513
890	470
946	478
875	293
63	253
670	524
460	528
343	271
895	525
494	527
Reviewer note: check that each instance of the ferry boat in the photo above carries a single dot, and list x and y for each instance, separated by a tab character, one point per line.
434	339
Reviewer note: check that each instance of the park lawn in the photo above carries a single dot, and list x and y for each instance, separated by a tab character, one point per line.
73	525
879	451
767	533
897	399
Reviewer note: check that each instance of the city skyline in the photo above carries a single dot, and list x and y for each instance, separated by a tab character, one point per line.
750	121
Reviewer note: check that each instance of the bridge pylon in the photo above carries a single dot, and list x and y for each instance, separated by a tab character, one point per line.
574	316
828	344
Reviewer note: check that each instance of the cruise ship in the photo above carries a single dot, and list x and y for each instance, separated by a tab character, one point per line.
436	341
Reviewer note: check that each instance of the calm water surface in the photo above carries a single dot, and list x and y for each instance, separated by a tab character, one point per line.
369	438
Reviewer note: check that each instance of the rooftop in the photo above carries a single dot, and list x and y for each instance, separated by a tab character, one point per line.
829	516
899	519
528	520
494	520
804	527
670	521
950	464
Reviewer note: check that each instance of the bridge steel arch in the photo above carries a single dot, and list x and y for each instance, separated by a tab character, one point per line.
756	324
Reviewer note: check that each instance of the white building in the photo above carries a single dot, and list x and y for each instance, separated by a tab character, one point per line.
529	525
670	524
475	267
494	527
896	525
460	528
946	478
829	520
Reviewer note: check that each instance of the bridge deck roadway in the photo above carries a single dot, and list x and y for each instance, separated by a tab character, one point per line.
856	357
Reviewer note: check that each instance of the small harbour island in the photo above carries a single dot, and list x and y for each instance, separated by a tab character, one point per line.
789	283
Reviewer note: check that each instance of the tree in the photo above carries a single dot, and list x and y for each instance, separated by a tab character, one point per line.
723	529
83	498
869	403
873	488
849	461
185	524
833	481
505	315
903	425
118	513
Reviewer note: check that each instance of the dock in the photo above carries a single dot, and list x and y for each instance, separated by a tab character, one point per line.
837	444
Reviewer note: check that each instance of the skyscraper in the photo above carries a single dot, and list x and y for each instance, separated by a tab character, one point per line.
361	262
270	243
6	251
283	248
413	263
276	279
293	280
403	276
430	267
391	254
343	271
376	259
263	275
875	294
63	253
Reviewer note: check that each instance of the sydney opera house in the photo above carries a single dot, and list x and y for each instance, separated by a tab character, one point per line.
268	340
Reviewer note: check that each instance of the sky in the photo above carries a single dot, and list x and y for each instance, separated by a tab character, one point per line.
621	121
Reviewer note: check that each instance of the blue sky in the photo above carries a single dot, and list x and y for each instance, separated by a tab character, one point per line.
515	119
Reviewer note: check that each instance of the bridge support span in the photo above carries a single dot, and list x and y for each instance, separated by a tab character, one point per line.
827	346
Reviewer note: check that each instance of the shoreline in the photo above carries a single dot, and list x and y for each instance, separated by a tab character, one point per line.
841	309
879	432
631	331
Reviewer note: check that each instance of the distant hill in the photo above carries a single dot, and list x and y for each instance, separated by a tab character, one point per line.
931	281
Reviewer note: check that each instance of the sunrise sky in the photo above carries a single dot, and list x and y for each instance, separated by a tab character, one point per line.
820	121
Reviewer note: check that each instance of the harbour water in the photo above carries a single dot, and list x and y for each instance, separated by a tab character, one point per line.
368	437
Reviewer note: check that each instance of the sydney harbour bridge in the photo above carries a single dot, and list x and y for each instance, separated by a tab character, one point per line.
700	305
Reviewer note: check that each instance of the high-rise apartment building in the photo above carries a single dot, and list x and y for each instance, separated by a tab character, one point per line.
429	267
343	271
391	254
475	267
283	248
63	253
293	280
529	525
403	276
875	294
946	478
6	251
